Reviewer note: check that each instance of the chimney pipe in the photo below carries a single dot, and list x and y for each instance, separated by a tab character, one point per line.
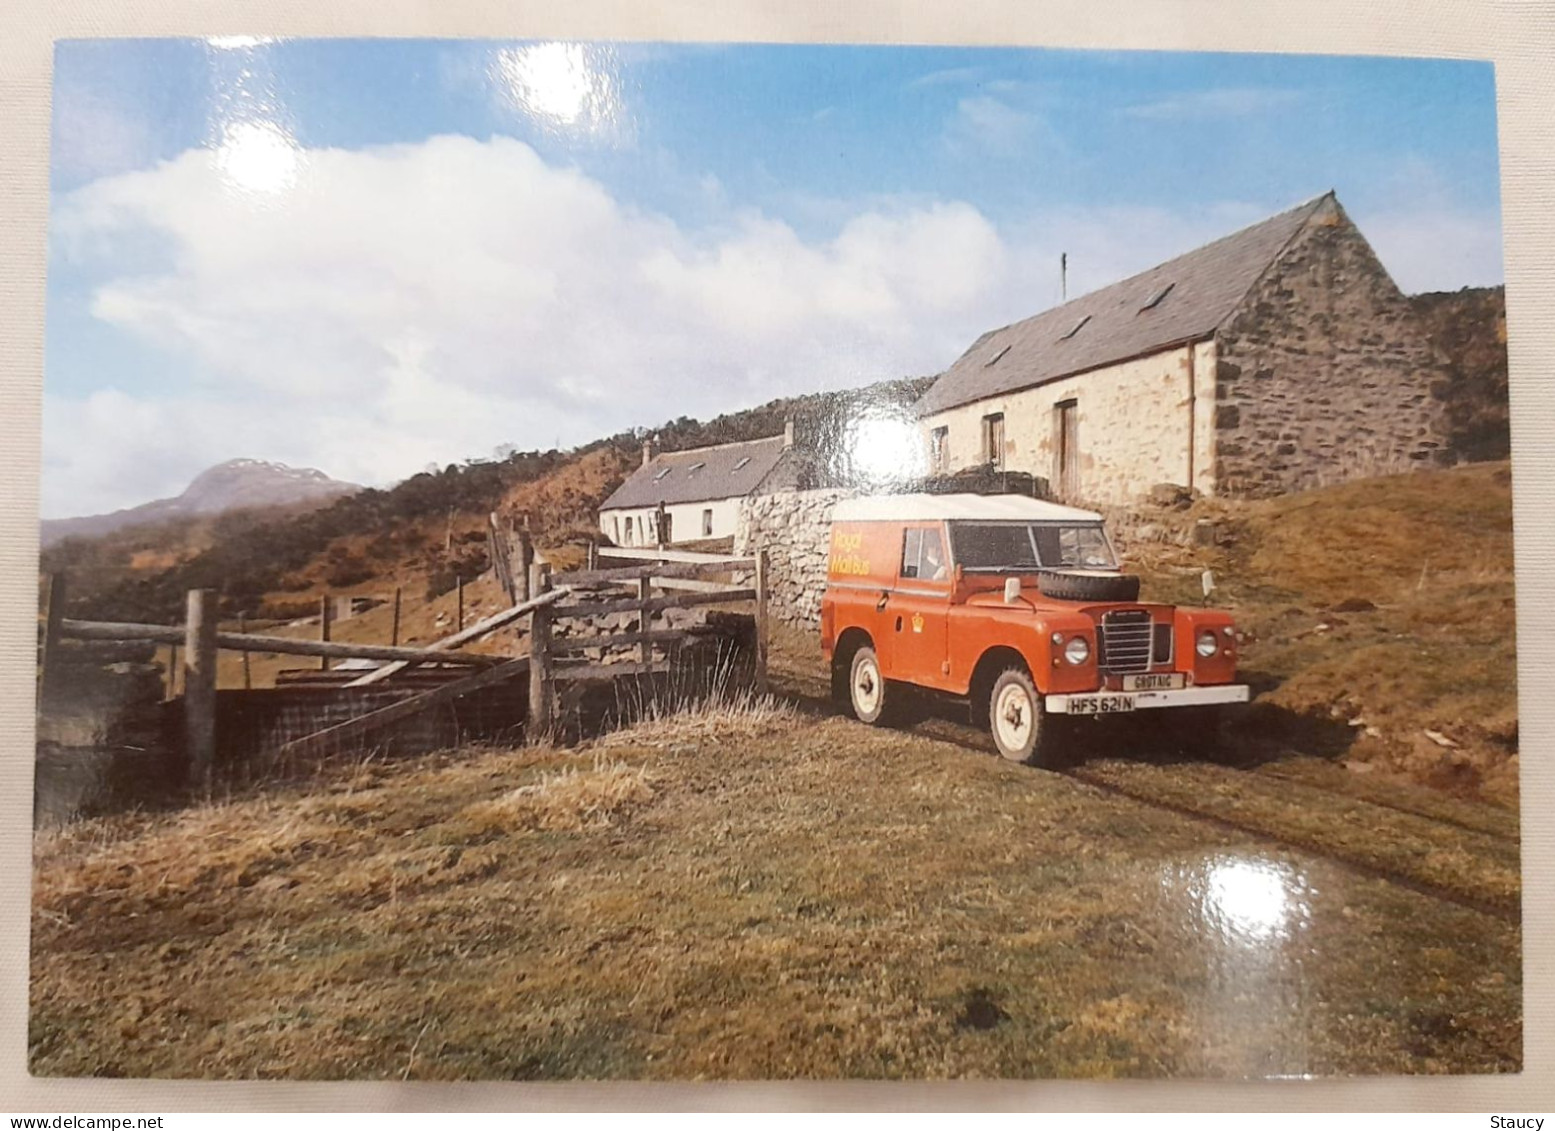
1063	276
650	449
788	433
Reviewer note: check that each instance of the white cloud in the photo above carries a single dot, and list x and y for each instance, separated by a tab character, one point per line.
425	303
990	124
1222	102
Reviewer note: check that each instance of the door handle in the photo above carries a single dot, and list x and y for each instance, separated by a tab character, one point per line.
885	595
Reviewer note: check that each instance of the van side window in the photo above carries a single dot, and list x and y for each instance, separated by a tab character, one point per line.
923	555
912	546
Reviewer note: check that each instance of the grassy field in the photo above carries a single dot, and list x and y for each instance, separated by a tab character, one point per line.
773	894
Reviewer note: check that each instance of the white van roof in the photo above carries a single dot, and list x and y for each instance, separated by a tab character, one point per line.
930	508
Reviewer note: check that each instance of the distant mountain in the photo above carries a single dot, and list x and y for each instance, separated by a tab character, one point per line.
236	484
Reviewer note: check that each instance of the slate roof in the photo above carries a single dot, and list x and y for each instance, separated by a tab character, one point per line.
1206	285
699	474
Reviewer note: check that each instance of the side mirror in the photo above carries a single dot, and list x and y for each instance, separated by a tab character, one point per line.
1011	590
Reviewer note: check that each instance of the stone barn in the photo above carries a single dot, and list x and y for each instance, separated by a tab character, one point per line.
1278	358
695	494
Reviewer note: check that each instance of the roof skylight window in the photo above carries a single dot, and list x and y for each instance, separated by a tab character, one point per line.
1076	329
696	467
996	357
662	472
743	461
1155	299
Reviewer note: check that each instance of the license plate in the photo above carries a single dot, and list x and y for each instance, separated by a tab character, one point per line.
1100	704
1162	681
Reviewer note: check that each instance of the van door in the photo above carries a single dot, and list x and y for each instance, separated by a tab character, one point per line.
918	613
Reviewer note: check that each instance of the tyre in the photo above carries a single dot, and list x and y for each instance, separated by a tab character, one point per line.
1084	585
1020	725
869	694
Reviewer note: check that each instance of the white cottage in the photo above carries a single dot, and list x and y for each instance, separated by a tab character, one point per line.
692	495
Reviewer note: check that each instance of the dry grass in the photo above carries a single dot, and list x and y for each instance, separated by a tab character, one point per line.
1377	610
789	897
721	717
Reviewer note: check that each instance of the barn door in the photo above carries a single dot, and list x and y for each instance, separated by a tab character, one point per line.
1067	477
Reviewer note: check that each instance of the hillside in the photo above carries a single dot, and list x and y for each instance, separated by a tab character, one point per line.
420	535
1382	620
238	484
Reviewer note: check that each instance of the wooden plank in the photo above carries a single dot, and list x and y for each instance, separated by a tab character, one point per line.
633	604
276	645
691	585
574	673
326	617
200	686
53	618
561	646
728	561
474	632
320	741
655	570
541	685
761	622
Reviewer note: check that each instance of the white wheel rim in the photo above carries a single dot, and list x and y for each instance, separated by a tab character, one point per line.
866	687
1014	717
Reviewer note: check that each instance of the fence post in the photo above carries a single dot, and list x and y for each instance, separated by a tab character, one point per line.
172	671
326	614
394	632
540	682
53	613
526	565
248	679
761	621
644	620
459	585
200	686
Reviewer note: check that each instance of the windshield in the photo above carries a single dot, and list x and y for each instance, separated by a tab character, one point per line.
1015	546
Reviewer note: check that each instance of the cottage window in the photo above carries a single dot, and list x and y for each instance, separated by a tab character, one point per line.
707	522
628	541
993	440
939	440
615	529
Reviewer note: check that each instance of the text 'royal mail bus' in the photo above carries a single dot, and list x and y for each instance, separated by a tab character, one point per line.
1019	606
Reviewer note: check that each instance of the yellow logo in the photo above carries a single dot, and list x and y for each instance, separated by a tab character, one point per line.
917	622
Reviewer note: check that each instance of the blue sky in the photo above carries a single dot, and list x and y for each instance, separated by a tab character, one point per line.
368	255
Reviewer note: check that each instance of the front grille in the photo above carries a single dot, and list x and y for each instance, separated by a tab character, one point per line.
1123	641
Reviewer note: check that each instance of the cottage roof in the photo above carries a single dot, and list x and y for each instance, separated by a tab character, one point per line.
725	471
1181	300
978	508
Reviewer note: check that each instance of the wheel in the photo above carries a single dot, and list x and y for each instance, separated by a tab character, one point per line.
1084	585
868	691
1018	720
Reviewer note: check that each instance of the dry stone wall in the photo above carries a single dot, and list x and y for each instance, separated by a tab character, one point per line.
1325	373
793	527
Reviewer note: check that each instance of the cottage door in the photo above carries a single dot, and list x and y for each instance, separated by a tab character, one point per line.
1067	478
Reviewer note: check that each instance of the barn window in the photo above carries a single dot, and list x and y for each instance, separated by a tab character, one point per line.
707	522
1076	329
993	439
1155	300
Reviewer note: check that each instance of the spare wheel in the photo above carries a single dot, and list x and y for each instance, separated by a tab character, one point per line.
1088	585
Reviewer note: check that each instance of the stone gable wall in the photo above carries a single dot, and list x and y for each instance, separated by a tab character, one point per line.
794	527
1324	374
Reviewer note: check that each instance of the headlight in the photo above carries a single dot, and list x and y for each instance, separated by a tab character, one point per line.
1207	644
1077	651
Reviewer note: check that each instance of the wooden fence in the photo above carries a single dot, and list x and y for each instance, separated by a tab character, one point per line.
551	661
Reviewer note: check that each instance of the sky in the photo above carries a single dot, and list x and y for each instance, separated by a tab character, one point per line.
374	256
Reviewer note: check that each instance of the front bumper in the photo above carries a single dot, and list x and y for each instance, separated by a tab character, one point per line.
1122	702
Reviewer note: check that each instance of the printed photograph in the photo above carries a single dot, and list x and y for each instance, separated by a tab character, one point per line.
603	560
